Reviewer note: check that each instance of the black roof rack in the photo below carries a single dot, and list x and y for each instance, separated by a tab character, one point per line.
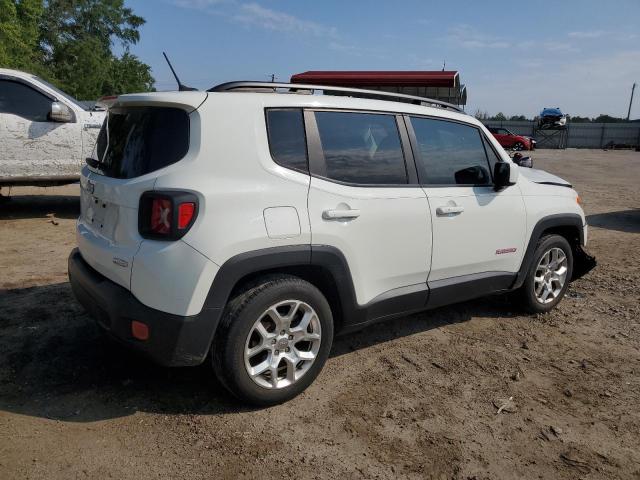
351	92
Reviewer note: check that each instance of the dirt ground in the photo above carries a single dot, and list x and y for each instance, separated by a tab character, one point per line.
413	398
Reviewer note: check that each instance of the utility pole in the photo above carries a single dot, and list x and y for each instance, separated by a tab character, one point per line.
631	101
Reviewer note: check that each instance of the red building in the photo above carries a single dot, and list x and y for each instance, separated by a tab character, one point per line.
440	85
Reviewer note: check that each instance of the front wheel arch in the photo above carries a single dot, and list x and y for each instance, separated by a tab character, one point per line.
569	226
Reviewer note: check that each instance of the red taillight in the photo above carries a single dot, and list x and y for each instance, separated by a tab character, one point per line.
166	215
161	216
185	214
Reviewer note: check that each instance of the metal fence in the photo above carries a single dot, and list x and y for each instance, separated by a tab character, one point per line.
576	135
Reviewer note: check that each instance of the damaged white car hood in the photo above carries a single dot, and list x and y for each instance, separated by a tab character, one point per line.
540	176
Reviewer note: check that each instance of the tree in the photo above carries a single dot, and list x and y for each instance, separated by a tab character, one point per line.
602	118
127	73
480	115
579	119
71	42
499	116
19	33
518	118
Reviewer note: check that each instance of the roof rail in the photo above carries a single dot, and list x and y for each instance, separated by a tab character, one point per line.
351	92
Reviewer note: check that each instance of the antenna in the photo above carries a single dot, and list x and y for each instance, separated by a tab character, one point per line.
181	87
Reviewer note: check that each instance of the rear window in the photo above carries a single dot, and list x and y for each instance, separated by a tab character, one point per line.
135	141
285	128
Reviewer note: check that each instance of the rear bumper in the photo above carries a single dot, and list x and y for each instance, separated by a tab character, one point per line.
174	340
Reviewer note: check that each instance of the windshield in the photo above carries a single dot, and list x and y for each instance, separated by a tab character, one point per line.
61	93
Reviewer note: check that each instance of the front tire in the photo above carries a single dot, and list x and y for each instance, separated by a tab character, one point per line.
518	146
549	274
273	340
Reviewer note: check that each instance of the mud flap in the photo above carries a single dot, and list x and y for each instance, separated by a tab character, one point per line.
583	263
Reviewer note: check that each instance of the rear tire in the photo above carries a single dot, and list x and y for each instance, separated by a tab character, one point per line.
549	274
273	340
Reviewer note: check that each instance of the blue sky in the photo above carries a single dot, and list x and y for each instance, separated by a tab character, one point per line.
514	57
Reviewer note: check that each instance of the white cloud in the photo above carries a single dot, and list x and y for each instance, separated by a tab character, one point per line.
357	50
199	4
468	37
560	47
254	14
586	34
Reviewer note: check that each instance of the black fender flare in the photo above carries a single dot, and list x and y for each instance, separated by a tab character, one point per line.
243	265
572	220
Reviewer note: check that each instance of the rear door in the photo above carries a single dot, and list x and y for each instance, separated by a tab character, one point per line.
476	230
364	201
133	144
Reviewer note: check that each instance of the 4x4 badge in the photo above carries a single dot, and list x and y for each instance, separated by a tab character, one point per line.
120	262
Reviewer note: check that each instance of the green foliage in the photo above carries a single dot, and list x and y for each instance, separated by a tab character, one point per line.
71	42
579	119
19	32
518	118
499	116
608	119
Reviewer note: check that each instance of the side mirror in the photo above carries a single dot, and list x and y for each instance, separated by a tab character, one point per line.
60	113
522	161
504	175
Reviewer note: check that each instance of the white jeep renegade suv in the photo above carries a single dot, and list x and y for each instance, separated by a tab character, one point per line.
255	221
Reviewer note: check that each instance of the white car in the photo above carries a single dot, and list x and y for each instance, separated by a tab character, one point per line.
45	134
254	221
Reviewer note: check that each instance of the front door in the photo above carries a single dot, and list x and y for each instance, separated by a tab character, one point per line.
361	201
476	230
31	144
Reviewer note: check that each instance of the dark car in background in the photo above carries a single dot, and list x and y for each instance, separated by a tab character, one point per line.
511	140
552	118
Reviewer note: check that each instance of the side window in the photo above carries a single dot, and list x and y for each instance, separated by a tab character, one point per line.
19	99
285	128
491	154
362	148
450	153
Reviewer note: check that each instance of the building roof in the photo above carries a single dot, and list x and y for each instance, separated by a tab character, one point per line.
376	78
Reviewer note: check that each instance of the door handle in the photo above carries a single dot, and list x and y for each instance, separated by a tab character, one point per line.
449	210
340	214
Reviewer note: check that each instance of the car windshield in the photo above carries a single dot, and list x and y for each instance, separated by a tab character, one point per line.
61	93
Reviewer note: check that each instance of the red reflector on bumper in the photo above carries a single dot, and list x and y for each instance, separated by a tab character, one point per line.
139	330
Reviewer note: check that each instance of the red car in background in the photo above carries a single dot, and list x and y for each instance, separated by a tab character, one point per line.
510	140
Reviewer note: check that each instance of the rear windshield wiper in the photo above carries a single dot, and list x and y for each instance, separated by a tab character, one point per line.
92	162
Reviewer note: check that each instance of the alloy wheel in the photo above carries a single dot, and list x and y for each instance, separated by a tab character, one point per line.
283	344
551	275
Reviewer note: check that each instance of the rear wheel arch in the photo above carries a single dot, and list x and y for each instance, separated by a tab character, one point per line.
324	267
